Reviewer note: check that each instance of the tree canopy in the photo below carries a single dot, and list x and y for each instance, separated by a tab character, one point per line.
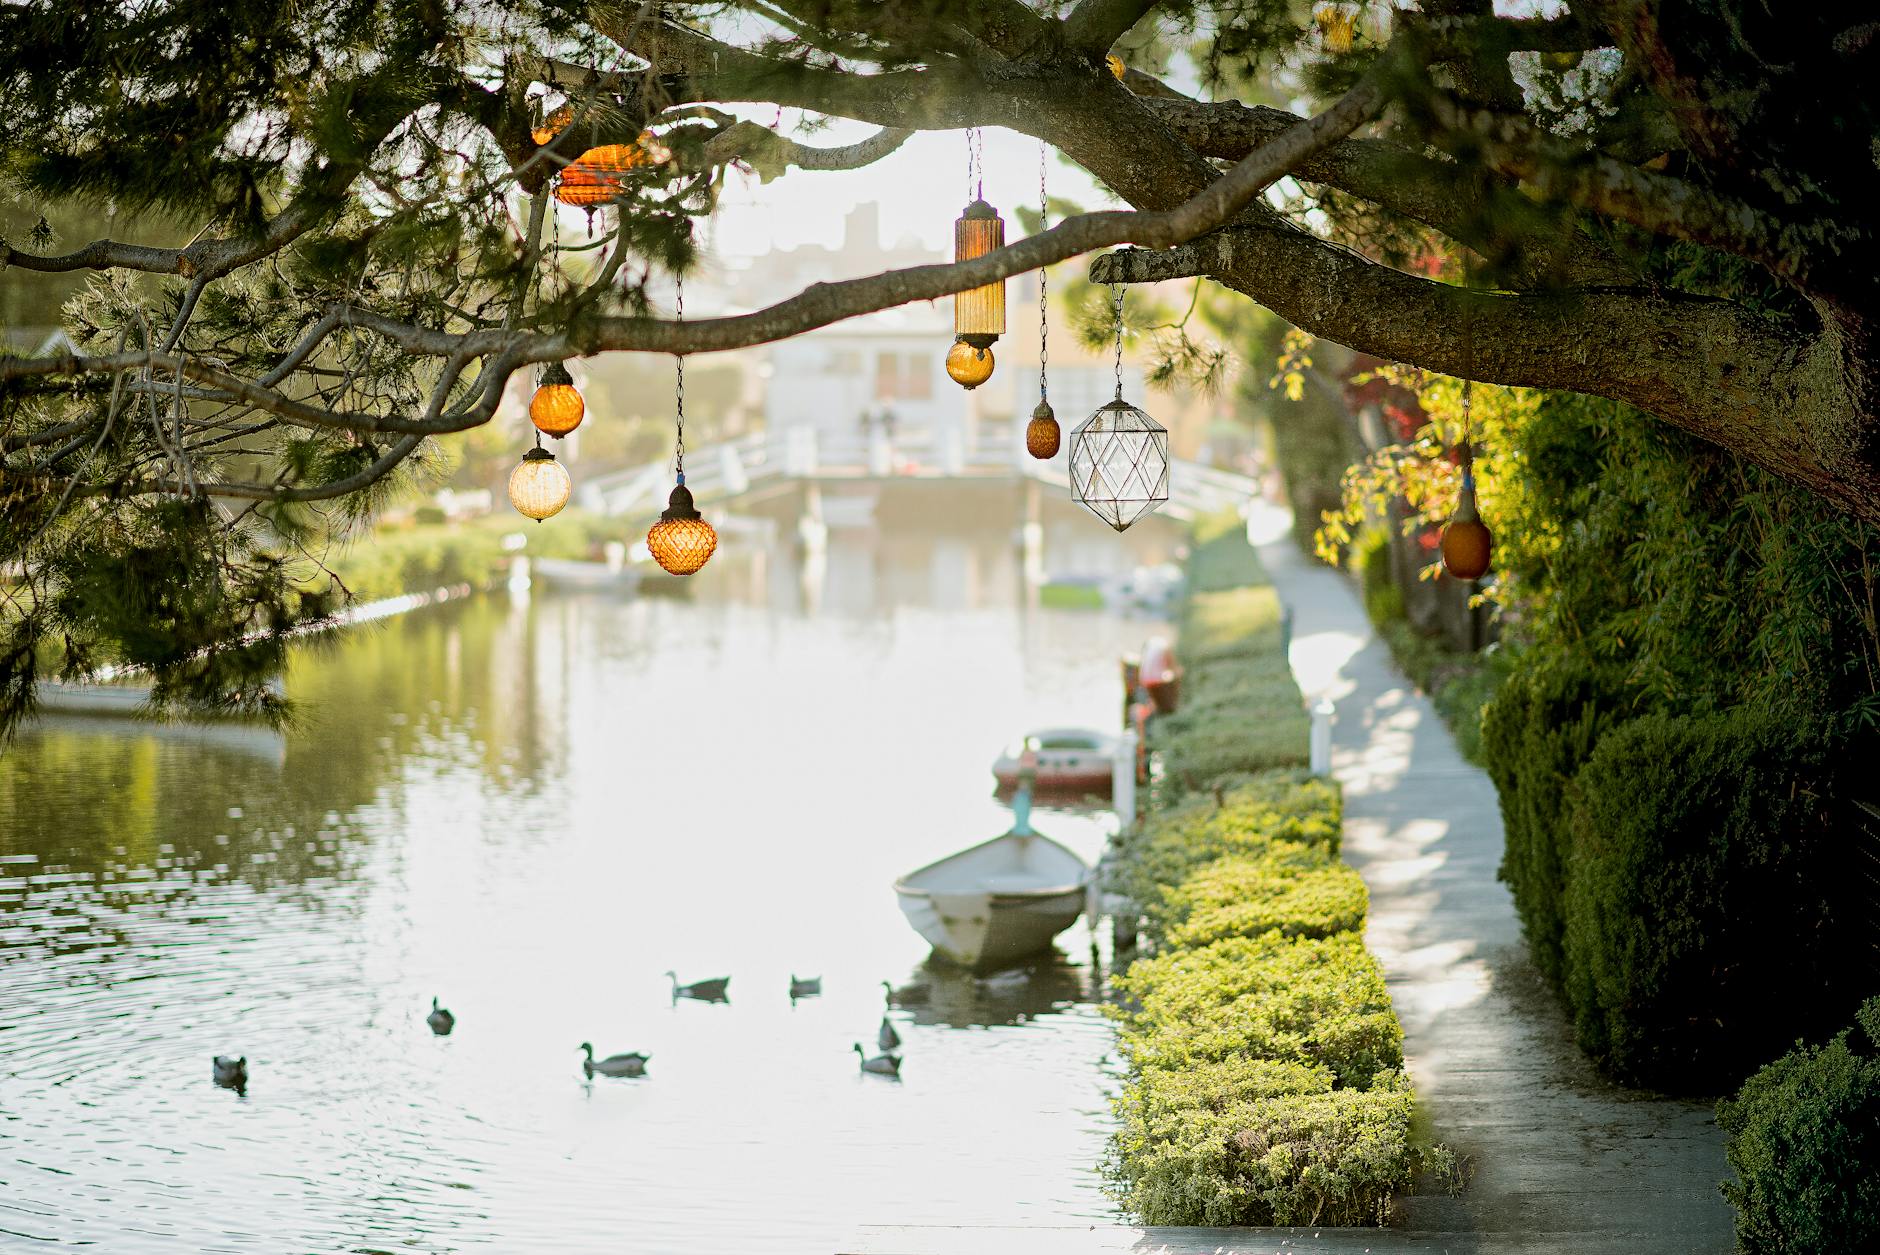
1662	202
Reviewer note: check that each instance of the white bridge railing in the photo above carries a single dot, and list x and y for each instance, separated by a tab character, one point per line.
734	467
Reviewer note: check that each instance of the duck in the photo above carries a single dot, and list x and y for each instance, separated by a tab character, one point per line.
880	1065
703	990
232	1073
887	1038
440	1020
632	1063
909	996
807	987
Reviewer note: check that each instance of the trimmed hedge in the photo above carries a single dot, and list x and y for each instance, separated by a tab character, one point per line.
1539	730
1265	1062
1804	1138
1701	927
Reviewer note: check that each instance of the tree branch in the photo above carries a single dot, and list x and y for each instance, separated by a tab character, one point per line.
1093	25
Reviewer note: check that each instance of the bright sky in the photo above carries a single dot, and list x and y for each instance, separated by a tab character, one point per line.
921	189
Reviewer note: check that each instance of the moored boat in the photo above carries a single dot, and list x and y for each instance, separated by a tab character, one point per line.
996	902
1065	761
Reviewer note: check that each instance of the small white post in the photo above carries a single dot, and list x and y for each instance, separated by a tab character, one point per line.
1321	741
1123	781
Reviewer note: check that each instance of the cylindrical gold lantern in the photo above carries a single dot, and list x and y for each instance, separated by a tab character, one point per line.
968	365
1466	539
1042	434
539	486
681	542
557	407
979	313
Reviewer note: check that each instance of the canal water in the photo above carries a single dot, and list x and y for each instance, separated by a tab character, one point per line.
533	807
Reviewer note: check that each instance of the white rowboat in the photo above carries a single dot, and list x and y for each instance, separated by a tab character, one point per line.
996	902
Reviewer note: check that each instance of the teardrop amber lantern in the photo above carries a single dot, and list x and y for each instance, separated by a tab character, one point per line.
1042	434
1466	539
557	407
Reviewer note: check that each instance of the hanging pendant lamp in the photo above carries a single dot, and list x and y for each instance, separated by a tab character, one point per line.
681	541
1042	434
557	407
1466	541
1119	455
539	486
978	313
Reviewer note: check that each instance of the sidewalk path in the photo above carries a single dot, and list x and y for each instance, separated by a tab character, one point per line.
1561	1159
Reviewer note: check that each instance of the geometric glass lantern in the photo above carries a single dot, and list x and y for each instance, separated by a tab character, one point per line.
1119	455
557	407
1119	464
539	486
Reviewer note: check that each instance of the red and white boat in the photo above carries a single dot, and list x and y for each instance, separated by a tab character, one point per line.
1064	762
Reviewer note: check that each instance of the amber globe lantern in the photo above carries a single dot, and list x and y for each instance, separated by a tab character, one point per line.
557	407
1466	539
557	120
539	486
1042	434
682	541
969	365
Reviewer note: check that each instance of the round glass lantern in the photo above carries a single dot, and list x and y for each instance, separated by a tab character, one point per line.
969	365
1042	434
539	486
557	407
682	541
1119	464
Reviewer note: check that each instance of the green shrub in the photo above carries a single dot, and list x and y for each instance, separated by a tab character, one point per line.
1295	1156
1305	999
1542	725
1804	1138
1370	557
1248	818
1298	891
1701	894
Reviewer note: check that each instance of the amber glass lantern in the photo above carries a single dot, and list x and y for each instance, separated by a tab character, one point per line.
1042	434
978	313
682	541
1115	63
968	365
557	407
557	120
594	178
1466	539
539	486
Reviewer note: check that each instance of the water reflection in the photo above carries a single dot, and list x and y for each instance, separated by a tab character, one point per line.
534	810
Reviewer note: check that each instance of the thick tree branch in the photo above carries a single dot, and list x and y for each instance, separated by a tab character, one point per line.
1093	25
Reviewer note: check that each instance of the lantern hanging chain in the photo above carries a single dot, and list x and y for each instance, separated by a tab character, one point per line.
1468	369
1116	293
1044	337
679	391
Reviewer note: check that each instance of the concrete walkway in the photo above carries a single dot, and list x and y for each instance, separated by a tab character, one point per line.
1560	1159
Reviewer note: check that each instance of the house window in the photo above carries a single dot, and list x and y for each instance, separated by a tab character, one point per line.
843	362
903	376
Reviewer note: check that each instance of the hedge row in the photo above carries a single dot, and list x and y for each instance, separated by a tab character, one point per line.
1240	709
1677	875
1265	1062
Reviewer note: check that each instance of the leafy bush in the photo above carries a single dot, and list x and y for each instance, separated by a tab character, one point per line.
1700	898
1251	818
1804	1137
1306	999
1284	1154
1298	891
1542	725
